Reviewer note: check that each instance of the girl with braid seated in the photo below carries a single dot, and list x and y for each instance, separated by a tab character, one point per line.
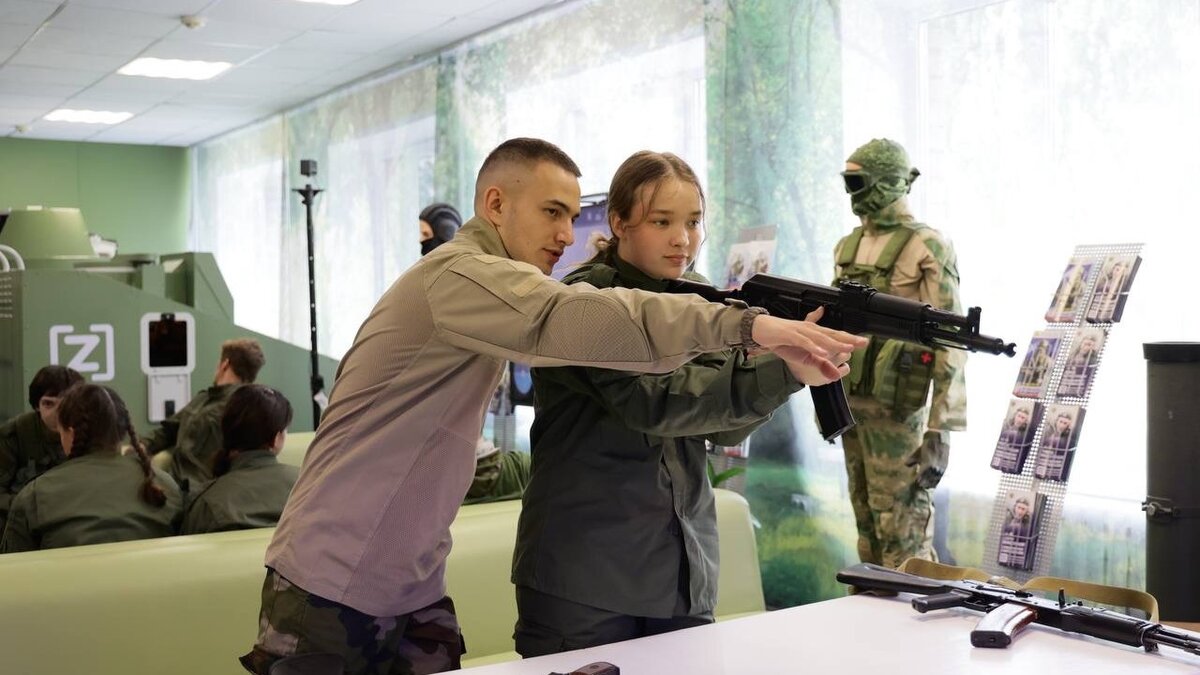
98	495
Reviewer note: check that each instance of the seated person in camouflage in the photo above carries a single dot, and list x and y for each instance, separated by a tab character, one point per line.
250	485
29	444
99	495
499	474
617	537
192	436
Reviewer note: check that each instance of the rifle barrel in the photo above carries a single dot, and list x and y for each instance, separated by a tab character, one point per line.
1161	635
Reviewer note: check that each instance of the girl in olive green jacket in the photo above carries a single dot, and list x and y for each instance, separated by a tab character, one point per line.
618	534
251	486
98	495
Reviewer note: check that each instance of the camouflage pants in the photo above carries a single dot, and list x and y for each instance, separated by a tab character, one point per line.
893	514
294	622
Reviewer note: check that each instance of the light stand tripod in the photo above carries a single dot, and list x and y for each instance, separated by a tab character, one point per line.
308	194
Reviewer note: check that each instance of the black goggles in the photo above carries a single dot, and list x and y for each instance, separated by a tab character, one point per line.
861	181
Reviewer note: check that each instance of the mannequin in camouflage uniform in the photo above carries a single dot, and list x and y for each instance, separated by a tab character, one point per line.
898	452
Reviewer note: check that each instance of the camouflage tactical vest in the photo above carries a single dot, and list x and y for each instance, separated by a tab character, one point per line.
895	373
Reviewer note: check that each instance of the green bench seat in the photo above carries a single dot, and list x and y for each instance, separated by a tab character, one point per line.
189	605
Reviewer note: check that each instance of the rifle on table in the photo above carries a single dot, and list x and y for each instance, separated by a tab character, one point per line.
1006	610
859	309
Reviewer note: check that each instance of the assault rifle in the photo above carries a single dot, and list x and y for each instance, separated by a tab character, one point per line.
1006	610
859	309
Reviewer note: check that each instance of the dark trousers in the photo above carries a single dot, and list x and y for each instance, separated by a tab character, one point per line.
548	624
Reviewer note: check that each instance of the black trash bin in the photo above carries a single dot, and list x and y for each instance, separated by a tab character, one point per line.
1173	478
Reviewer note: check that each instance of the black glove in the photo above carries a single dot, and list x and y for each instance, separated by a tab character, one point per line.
930	458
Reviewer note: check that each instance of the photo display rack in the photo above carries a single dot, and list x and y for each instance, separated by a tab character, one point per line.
1039	438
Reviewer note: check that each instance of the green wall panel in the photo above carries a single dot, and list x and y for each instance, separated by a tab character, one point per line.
136	194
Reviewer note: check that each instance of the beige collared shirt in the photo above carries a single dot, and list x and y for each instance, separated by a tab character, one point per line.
368	522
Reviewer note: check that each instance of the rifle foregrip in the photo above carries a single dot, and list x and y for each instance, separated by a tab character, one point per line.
1105	624
833	411
997	627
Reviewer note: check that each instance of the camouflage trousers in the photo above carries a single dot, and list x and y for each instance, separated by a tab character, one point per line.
295	622
893	514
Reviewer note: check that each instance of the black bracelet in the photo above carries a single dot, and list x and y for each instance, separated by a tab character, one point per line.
747	328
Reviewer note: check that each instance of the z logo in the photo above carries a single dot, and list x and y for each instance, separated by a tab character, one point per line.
87	344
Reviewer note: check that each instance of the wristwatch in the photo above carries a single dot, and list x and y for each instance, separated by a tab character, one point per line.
747	328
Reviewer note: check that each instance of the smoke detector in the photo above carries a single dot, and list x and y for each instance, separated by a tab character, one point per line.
192	21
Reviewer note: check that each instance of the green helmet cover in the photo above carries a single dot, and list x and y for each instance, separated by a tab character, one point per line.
885	176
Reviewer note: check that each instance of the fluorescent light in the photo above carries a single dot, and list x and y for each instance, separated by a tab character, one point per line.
331	2
88	116
176	69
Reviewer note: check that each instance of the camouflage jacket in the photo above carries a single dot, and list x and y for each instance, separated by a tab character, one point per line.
27	450
193	435
499	476
251	495
926	270
92	499
619	495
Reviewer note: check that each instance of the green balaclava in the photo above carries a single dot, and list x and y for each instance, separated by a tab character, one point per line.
885	176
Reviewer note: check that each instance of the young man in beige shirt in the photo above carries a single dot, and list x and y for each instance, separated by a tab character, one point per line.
356	567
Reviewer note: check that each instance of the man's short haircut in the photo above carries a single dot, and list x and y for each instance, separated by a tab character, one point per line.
245	356
51	381
528	152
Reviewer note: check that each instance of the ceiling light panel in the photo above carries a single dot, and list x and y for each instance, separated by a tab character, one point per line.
87	116
175	69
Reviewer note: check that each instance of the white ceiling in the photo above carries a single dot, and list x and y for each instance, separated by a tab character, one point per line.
65	53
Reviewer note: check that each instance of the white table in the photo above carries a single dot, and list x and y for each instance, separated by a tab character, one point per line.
859	634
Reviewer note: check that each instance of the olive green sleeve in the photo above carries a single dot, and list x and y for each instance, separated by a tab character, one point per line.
8	471
711	395
514	473
18	530
199	518
500	476
164	436
733	437
204	433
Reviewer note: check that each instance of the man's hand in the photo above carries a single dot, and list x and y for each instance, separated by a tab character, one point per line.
816	355
931	458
